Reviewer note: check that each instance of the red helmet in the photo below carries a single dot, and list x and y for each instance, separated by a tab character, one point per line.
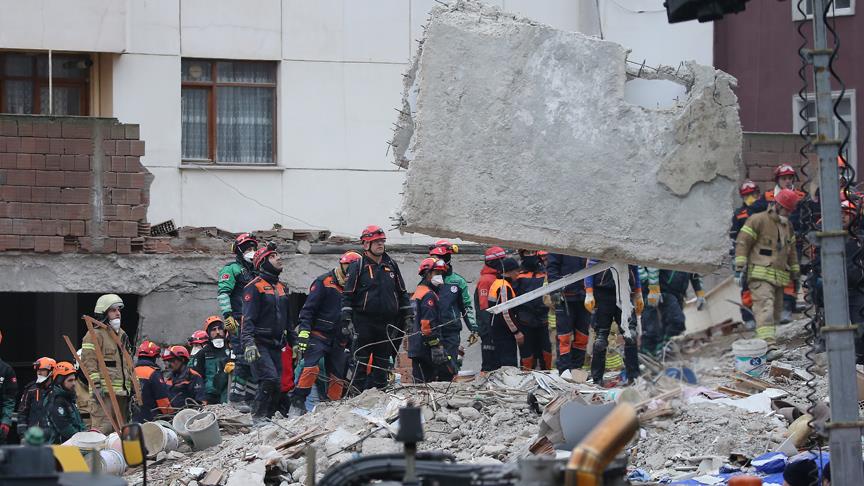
784	170
198	337
176	352
209	322
350	257
787	198
44	364
748	187
431	264
372	233
494	253
443	247
241	240
261	254
148	349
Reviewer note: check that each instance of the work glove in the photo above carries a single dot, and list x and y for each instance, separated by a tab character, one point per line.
4	431
590	303
231	325
472	339
700	300
653	295
520	338
251	353
229	367
638	303
302	342
439	356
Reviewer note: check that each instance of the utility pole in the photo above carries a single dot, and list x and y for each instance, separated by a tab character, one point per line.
844	431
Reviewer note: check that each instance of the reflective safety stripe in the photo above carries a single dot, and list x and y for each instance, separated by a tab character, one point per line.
765	332
741	259
90	346
768	274
749	232
795	268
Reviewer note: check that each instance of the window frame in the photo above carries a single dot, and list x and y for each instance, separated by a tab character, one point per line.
211	86
38	82
798	123
835	12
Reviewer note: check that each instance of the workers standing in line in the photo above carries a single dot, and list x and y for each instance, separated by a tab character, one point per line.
375	302
454	304
320	335
492	259
154	390
265	327
601	299
572	320
62	416
533	317
233	278
749	193
108	311
31	405
185	385
429	356
765	252
506	334
664	292
213	362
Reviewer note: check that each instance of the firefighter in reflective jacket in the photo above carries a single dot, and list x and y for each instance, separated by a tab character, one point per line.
31	405
320	335
154	391
185	385
492	258
572	320
505	331
749	193
533	316
429	359
454	303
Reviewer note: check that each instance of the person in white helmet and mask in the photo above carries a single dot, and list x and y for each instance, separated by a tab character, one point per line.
108	311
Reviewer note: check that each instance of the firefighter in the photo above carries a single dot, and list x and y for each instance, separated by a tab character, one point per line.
196	343
492	258
429	356
749	193
31	405
601	300
62	416
375	304
108	310
264	328
213	363
454	303
505	333
154	390
233	278
185	385
533	316
664	292
320	335
765	252
572	320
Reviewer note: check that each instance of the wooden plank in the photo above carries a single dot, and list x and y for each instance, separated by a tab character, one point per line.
732	391
106	376
212	478
98	396
126	356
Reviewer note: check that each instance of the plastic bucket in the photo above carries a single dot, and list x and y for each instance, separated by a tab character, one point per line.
112	462
87	440
158	438
115	443
203	428
180	419
750	355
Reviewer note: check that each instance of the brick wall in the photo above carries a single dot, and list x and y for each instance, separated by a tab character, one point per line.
762	152
72	184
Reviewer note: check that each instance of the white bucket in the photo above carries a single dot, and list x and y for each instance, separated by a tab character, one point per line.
112	462
115	443
179	422
750	355
87	440
158	438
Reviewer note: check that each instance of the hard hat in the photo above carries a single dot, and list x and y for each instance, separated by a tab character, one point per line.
430	263
748	187
349	257
198	337
443	247
106	302
372	233
148	349
841	162
209	322
44	363
784	170
261	254
494	253
176	352
241	240
63	368
787	198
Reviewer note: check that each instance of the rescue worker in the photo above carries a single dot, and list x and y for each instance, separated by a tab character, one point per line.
8	392
320	335
63	418
505	332
533	317
572	320
83	398
108	311
31	405
375	304
185	385
854	273
749	193
765	252
264	328
664	292
429	359
492	258
233	278
454	303
213	363
196	343
601	300
154	390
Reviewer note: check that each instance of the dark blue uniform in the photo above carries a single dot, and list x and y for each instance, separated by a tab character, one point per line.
426	333
183	385
265	320
154	391
533	320
572	321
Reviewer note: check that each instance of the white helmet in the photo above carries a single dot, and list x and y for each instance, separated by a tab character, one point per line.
106	302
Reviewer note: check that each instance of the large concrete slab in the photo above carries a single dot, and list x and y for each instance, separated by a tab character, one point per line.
518	134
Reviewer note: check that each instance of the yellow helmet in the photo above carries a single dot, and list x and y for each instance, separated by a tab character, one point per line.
106	302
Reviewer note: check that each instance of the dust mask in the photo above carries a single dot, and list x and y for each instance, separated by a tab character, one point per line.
218	343
437	280
40	378
248	256
115	324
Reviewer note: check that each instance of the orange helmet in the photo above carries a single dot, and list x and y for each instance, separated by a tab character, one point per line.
209	322
44	363
198	337
430	263
784	170
148	349
63	368
349	257
748	187
372	233
176	352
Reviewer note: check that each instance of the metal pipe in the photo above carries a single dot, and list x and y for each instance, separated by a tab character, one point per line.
590	458
50	83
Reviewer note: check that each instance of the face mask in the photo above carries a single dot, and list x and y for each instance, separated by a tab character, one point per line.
248	256
115	324
749	199
195	349
40	378
437	280
218	343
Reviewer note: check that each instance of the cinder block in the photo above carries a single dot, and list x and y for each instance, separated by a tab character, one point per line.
22	161
77	129
49	178
56	245
137	148
9	161
37	161
8	128
124	147
28	145
82	162
109	147
75	195
52	162
133	164
46	194
77	179
25	128
20	177
67	162
43	145
26	242
43	244
132	132
76	228
123	245
56	146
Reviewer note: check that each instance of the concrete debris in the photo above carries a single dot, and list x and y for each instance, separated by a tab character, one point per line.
519	107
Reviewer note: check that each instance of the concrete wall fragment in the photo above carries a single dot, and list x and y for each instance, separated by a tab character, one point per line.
518	134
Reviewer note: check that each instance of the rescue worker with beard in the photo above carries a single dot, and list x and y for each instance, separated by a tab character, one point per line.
454	304
63	418
429	359
533	316
264	328
375	302
108	311
572	320
505	331
154	390
213	360
492	258
185	385
233	278
31	405
320	335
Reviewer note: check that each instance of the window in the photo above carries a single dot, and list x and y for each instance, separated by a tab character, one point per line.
846	110
839	8
24	83
229	111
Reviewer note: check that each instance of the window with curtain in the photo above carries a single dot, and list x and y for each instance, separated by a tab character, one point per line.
24	83
228	111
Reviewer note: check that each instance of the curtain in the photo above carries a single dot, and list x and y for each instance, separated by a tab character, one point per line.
19	97
67	100
194	114
244	124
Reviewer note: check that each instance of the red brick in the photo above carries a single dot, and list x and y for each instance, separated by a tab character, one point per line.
133	132
13	144
9	242
55	146
124	180
2	144
5	226
137	148
28	227
52	162
82	162
133	164
46	194
62	228
49	178
15	193
137	181
118	132
56	245
28	145
43	244
67	162
8	161
124	147
138	213
75	195
109	179
37	161
109	245
20	177
46	129
70	211
35	210
109	147
25	128
22	161
43	146
76	129
86	244
124	213
26	242
130	229
124	245
77	146
8	128
77	228
77	179
118	164
117	196
133	196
